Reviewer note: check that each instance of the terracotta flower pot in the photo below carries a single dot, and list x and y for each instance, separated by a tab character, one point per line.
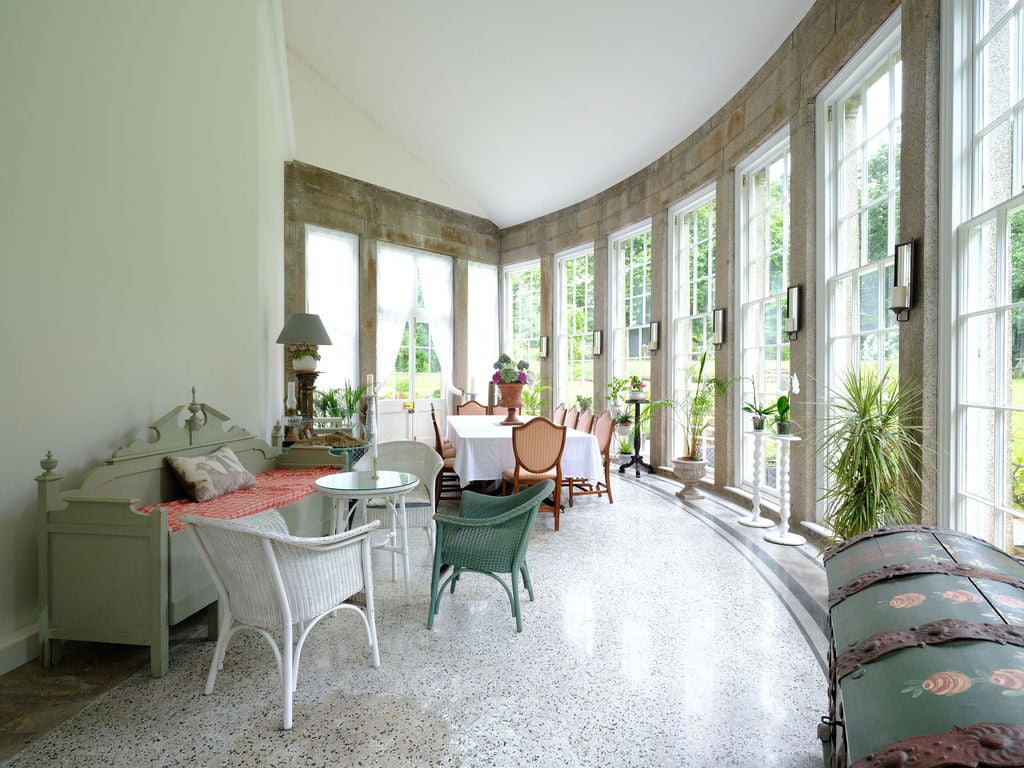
511	398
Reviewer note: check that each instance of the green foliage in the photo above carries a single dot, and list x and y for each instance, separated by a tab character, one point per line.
626	445
533	403
869	450
340	403
584	402
694	411
298	351
782	408
616	386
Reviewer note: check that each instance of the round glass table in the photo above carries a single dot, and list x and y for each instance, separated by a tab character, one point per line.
361	487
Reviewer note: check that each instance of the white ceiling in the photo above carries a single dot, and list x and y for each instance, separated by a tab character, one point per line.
523	107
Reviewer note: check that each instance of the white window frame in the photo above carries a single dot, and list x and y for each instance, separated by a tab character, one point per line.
558	391
336	300
883	44
528	349
679	334
613	341
775	147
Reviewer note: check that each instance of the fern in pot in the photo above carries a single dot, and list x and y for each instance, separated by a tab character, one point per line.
869	448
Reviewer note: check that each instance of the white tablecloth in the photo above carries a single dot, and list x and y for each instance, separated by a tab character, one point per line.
483	449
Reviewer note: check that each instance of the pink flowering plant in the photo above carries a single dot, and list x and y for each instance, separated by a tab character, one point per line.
508	372
636	383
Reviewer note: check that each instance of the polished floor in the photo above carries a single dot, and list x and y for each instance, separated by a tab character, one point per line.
663	634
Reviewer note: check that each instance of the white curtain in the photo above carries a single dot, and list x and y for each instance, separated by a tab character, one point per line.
435	274
396	296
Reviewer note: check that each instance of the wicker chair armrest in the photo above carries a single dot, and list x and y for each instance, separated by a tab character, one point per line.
324	543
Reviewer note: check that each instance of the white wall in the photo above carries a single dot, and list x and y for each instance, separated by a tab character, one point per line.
333	133
140	241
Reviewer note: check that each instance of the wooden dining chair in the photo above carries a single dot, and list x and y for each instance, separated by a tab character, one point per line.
471	408
572	416
448	487
604	430
559	414
586	421
538	445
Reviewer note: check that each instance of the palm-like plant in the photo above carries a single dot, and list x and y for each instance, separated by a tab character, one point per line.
869	448
695	410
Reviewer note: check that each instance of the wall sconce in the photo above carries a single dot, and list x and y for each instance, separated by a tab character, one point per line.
543	347
792	311
655	336
718	328
902	274
597	344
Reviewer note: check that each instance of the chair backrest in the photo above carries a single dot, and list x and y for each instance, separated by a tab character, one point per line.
406	456
438	440
586	422
538	444
471	408
603	431
500	410
571	417
559	414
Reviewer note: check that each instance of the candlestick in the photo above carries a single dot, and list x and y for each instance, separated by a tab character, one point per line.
290	402
369	381
899	297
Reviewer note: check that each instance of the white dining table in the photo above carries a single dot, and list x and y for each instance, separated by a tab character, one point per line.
483	449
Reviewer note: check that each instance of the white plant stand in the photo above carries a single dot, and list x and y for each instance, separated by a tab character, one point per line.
784	536
755	520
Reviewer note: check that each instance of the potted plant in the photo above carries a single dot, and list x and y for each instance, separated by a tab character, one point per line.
583	402
636	388
510	377
304	357
533	403
758	410
625	446
781	407
693	413
869	449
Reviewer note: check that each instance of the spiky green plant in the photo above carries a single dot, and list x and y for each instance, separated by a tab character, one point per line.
533	403
869	448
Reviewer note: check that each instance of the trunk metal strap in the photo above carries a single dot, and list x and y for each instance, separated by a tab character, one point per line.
889	529
899	570
932	633
982	744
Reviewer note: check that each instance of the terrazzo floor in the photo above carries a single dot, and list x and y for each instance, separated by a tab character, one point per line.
663	634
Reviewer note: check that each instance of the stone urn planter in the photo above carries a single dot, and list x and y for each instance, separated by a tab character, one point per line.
511	398
689	472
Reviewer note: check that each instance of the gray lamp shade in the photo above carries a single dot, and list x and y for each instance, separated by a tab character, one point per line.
302	328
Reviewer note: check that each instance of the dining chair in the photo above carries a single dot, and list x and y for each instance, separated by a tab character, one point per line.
537	446
419	459
489	536
272	583
571	417
559	417
471	408
604	430
586	421
448	487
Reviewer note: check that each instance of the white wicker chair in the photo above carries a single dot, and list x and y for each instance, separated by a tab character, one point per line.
419	459
270	581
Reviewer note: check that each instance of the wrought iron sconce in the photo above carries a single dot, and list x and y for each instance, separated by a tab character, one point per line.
654	336
718	327
792	311
543	347
597	344
902	275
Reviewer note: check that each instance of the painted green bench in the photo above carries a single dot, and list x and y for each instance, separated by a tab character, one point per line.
927	657
111	573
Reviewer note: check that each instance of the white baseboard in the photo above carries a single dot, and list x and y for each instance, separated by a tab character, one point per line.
18	647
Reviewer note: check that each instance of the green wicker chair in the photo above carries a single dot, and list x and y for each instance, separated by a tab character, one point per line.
489	536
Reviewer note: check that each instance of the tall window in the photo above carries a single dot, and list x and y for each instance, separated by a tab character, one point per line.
987	215
522	314
332	291
574	306
859	120
630	252
414	323
482	319
693	278
763	275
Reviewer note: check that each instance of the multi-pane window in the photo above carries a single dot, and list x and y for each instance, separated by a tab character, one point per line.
693	270
987	211
574	306
763	274
631	322
482	319
861	124
332	291
414	328
522	314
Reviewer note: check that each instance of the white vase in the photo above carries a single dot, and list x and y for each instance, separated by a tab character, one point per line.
635	394
304	364
690	471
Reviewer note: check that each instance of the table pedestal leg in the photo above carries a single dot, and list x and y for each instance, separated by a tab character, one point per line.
784	536
755	520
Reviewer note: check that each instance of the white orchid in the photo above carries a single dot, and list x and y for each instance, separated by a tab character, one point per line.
794	384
